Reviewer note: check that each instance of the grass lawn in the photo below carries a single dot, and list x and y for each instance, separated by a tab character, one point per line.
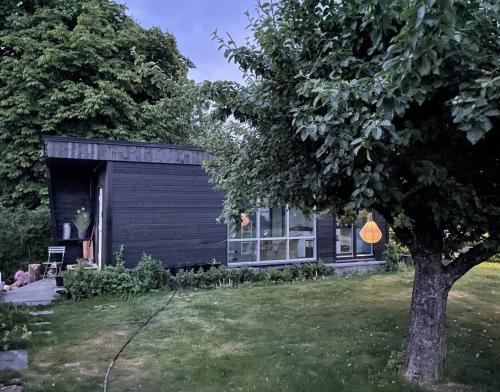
335	334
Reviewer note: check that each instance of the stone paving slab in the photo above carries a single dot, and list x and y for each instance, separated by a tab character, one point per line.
11	388
41	312
13	360
40	323
38	293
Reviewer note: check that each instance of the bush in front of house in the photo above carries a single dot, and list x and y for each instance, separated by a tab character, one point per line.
115	280
150	273
392	255
219	277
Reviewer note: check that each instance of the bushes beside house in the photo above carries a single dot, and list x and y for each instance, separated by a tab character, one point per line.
24	237
150	274
394	256
14	332
115	280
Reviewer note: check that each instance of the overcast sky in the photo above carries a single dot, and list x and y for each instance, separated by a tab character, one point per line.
192	22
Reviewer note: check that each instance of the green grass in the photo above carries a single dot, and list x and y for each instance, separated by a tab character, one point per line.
329	335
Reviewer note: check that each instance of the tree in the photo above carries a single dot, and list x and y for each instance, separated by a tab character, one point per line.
389	105
82	68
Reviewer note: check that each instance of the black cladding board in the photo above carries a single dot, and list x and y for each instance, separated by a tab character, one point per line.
167	210
56	147
325	238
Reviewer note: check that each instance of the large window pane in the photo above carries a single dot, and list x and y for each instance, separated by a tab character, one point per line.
300	225
362	247
272	250
344	240
302	249
272	222
241	251
246	229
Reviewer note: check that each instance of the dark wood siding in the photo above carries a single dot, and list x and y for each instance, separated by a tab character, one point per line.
114	150
379	248
167	210
72	188
325	233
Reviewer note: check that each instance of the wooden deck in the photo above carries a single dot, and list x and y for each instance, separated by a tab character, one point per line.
37	293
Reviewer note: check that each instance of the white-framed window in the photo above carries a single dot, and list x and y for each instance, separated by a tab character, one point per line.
348	240
273	234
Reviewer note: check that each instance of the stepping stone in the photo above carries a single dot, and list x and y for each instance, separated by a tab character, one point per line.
11	388
40	323
48	333
13	360
41	312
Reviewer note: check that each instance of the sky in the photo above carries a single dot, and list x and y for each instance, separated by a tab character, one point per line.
192	23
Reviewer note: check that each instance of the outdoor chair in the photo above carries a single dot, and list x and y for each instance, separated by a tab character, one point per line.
54	250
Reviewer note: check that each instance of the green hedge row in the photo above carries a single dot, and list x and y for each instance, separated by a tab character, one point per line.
115	280
150	274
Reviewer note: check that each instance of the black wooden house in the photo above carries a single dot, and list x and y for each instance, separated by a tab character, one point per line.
157	199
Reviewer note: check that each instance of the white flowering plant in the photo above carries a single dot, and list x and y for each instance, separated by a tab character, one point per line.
82	219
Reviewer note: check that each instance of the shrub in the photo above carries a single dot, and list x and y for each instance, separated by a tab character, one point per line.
150	273
495	259
14	332
24	237
392	255
218	277
114	280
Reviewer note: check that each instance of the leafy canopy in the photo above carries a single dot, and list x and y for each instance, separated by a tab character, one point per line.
82	68
391	105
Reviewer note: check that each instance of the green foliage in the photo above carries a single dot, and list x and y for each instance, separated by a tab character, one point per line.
390	106
82	219
150	273
14	332
392	255
119	256
83	68
24	237
113	280
221	277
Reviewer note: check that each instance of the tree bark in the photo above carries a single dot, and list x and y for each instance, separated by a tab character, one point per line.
426	338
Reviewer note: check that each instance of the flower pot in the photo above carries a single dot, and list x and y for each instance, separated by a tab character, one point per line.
82	234
59	281
66	231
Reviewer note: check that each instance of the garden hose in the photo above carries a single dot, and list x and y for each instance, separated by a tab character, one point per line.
112	363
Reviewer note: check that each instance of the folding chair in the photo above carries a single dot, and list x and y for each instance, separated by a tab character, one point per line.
54	250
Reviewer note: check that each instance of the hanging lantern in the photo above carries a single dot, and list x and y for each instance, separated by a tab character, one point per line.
245	220
370	232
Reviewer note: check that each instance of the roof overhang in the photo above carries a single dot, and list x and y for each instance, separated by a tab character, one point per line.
58	147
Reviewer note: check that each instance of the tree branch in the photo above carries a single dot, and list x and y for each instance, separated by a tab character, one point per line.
468	260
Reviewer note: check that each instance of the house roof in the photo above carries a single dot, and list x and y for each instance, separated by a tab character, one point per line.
59	147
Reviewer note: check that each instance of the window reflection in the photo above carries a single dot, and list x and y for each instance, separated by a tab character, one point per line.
300	225
273	222
272	250
246	229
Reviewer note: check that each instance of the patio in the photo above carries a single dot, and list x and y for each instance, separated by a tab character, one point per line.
41	292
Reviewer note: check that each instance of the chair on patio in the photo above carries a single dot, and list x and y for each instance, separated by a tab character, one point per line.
54	250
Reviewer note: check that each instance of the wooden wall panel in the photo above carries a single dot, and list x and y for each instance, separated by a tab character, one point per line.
325	231
168	210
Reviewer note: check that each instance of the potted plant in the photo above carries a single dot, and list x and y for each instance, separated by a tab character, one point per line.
82	222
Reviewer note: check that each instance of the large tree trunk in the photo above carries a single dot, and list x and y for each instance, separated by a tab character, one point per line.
426	340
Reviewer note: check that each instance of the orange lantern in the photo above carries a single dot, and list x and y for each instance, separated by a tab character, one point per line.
245	220
370	233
